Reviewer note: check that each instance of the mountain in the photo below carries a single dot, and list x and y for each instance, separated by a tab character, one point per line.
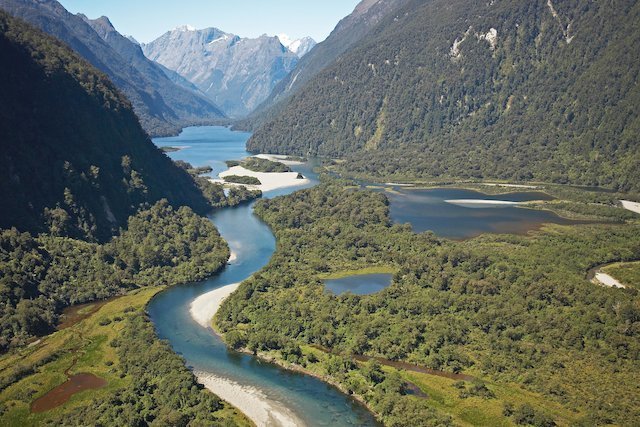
298	46
163	106
74	160
350	30
508	90
236	73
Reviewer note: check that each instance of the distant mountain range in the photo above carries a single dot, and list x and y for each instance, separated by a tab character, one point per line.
74	160
366	15
163	106
235	73
513	90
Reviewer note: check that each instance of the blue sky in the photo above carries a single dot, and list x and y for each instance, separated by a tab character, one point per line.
147	19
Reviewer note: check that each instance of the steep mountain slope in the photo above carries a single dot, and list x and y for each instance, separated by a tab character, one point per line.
236	73
190	105
162	106
511	89
73	158
350	30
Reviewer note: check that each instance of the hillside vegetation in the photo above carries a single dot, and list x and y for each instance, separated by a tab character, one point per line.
146	382
515	90
74	160
162	101
517	313
41	275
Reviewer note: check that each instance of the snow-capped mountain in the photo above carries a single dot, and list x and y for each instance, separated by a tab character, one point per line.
298	46
236	73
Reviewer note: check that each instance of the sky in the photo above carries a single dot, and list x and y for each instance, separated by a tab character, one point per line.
146	20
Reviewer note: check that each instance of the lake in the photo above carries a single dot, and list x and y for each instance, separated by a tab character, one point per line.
361	284
432	210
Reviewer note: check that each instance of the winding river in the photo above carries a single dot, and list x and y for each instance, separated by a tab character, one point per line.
284	397
297	398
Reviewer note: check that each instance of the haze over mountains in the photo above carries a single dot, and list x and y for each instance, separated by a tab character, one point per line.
236	73
366	15
190	83
162	106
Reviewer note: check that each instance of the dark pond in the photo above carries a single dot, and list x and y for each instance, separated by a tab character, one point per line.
64	391
363	284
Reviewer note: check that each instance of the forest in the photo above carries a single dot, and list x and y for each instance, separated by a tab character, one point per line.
43	274
477	90
505	309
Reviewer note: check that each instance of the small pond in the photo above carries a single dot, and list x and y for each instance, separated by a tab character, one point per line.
362	284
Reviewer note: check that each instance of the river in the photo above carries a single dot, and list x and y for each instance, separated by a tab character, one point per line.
309	399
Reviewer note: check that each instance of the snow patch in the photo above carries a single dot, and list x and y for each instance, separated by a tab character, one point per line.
219	39
184	28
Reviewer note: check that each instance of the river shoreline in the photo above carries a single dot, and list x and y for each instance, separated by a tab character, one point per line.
288	396
250	400
205	307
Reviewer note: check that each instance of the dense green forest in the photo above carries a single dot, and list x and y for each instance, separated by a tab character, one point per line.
74	160
147	384
162	392
506	309
41	275
515	90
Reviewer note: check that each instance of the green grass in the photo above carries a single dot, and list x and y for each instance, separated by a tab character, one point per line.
88	341
357	272
478	411
444	397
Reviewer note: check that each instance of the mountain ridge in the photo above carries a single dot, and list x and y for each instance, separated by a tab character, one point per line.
74	160
452	90
162	106
351	29
236	73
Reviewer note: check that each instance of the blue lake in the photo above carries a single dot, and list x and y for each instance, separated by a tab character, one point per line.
362	284
429	210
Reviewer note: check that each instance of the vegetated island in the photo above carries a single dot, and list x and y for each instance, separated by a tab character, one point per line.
271	175
258	164
247	180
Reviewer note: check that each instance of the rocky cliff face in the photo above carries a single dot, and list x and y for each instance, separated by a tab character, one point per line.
236	73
